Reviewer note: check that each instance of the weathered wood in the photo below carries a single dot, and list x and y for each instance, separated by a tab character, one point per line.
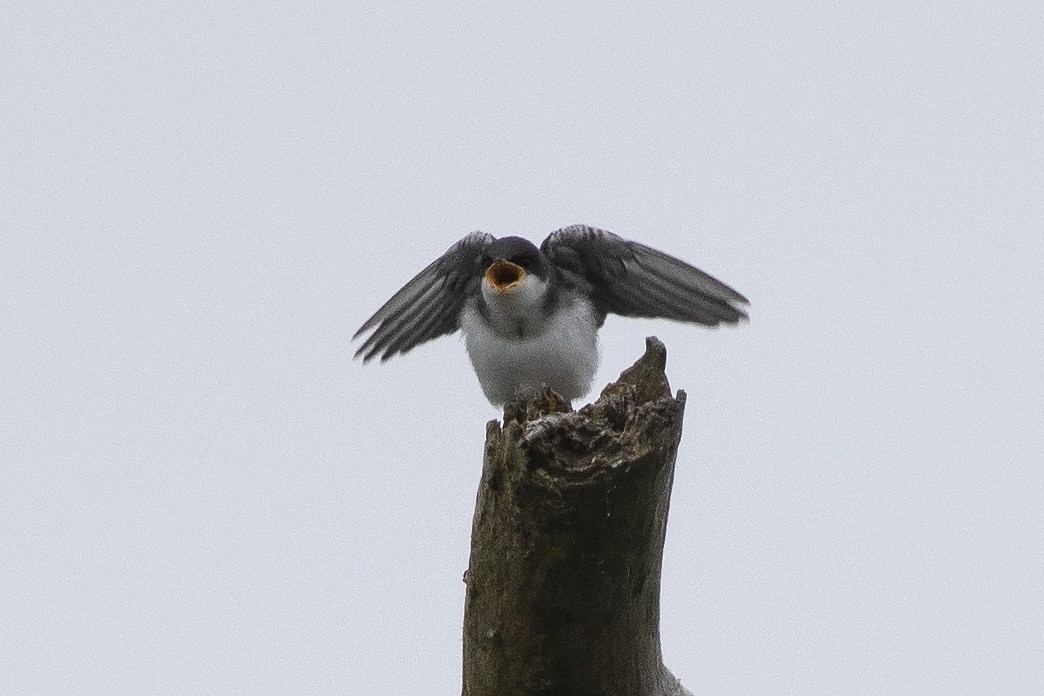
563	587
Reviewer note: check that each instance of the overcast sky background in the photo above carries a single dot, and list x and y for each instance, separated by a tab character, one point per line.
200	491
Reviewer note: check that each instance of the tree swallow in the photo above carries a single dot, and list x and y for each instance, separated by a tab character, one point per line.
530	317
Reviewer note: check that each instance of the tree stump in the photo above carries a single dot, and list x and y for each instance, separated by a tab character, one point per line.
563	586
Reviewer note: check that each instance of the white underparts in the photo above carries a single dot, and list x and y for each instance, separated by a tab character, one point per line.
520	349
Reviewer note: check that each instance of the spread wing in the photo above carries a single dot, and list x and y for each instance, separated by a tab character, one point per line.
634	280
428	306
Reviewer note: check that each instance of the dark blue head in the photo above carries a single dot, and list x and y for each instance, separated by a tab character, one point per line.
518	251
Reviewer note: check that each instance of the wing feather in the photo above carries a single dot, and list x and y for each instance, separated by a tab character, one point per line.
631	279
429	305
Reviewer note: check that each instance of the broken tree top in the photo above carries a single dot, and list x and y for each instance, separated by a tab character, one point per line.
603	429
563	591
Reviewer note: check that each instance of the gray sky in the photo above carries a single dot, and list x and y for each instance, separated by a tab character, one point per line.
200	492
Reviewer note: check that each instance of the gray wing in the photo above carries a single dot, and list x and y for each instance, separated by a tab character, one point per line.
631	279
429	305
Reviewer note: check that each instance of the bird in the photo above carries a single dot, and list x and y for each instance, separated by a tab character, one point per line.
530	316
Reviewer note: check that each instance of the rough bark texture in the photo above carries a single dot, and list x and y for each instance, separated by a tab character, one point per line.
563	587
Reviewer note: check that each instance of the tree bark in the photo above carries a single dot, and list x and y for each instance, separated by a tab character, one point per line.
563	587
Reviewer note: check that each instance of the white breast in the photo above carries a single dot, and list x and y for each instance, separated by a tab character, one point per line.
513	358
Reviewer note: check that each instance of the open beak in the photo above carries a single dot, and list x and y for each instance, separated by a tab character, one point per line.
504	275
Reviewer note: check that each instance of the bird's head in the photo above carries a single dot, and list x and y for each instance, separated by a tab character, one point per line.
508	263
514	283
